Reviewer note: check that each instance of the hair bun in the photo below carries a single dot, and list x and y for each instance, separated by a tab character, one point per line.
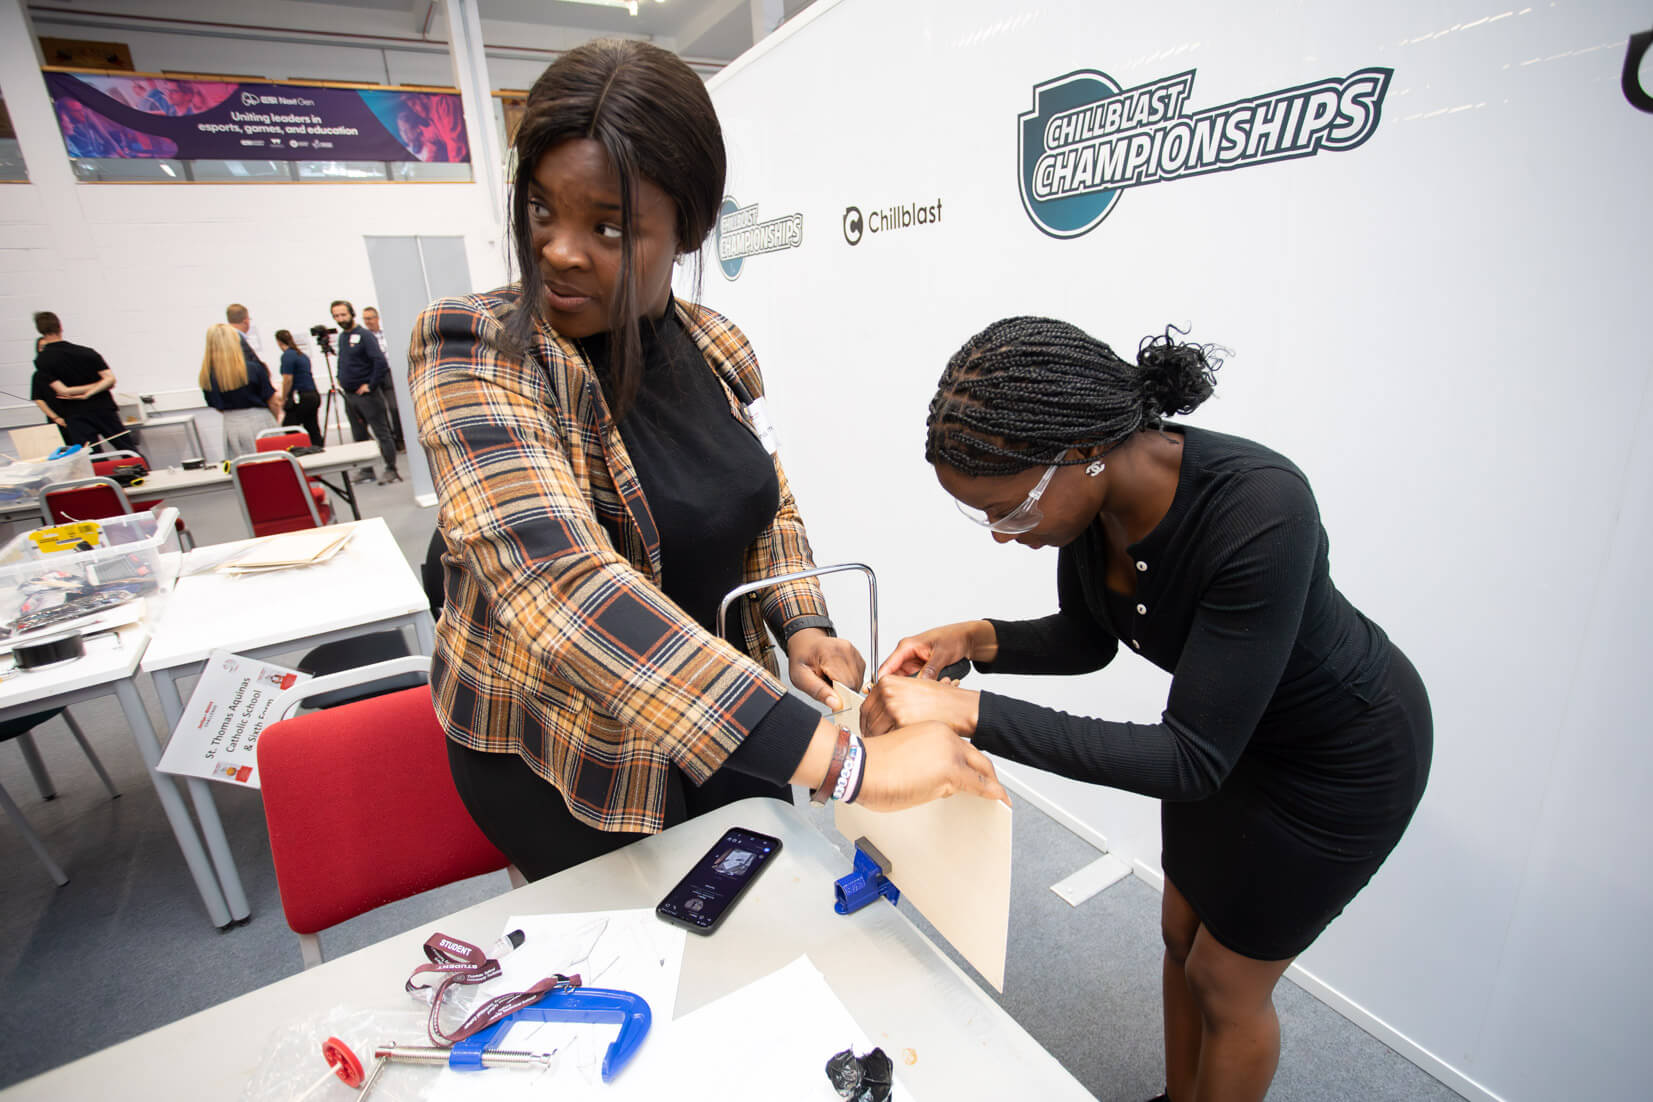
1174	377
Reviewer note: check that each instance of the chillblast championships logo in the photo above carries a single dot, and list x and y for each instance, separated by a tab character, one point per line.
1087	139
740	234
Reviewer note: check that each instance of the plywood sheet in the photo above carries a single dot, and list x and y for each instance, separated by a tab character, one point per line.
951	860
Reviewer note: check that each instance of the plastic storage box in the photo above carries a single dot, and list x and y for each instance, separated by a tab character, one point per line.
22	480
126	563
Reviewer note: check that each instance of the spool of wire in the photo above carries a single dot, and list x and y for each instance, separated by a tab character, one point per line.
52	651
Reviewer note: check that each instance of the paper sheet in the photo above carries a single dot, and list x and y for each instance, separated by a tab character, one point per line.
630	950
769	1040
290	549
950	858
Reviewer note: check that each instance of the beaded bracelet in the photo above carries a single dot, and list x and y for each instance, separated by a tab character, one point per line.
849	781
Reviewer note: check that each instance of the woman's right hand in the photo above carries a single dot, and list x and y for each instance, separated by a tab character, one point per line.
914	765
929	653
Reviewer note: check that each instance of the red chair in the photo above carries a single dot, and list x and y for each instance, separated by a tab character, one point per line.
275	496
361	806
94	499
281	440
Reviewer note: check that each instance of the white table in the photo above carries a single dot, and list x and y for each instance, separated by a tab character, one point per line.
366	587
338	459
899	988
108	669
184	421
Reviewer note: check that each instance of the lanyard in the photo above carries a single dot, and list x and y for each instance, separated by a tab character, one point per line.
453	961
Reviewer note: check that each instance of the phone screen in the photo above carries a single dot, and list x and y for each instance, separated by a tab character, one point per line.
703	897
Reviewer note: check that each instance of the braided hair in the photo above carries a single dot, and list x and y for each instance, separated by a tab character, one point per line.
1025	390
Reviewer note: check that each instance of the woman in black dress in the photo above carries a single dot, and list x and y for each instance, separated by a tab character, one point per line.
1296	738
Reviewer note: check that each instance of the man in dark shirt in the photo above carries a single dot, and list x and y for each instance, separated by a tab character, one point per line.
370	322
361	369
81	383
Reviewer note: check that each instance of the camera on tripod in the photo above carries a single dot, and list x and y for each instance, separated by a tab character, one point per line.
322	333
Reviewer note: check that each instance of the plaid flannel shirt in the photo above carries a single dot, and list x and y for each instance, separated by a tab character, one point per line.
556	642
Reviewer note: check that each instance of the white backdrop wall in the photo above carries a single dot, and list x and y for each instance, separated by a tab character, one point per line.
1438	326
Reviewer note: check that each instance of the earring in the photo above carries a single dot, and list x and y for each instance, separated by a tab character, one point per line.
1096	467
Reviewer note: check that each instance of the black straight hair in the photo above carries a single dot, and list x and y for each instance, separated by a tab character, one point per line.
652	115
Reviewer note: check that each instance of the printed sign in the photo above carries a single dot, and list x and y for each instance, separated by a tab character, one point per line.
1087	139
137	117
217	736
741	233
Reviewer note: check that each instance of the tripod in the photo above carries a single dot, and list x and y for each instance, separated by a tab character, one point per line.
329	416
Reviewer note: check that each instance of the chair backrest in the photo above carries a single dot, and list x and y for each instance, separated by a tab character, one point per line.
82	499
36	441
280	440
273	493
362	809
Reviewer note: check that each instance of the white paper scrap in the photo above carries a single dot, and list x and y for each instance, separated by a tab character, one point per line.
769	1040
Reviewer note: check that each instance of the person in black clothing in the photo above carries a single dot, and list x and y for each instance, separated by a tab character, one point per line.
237	384
361	370
1296	740
299	399
370	322
42	395
81	382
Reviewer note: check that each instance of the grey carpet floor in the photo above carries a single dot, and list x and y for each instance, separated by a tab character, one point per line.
126	946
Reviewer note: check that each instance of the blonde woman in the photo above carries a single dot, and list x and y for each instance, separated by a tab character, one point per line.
236	383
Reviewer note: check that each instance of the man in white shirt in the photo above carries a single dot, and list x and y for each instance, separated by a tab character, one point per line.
370	322
236	314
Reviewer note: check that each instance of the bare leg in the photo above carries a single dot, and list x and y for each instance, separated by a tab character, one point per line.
1240	1038
1183	1024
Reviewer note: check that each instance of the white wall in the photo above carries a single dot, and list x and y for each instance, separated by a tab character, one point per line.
139	271
1439	326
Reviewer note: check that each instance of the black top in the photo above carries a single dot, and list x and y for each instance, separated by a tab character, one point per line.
1234	597
712	490
297	364
254	395
40	390
360	360
74	365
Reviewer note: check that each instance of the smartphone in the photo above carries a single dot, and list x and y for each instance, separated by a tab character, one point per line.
703	897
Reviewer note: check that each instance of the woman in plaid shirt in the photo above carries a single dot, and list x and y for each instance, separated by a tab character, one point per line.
602	486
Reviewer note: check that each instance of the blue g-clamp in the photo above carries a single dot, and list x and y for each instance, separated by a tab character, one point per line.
579	1004
870	880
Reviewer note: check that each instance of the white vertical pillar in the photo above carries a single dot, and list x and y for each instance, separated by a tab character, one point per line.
766	16
470	76
27	102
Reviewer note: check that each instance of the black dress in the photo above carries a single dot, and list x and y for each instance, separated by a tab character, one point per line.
1296	738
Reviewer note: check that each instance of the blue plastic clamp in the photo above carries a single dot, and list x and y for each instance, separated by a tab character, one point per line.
562	1004
870	880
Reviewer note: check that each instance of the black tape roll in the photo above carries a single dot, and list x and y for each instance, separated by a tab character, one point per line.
50	652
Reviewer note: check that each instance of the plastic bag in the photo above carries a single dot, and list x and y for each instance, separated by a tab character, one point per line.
22	481
294	1062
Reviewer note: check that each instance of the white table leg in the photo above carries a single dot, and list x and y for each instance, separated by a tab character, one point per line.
172	803
424	628
200	792
37	768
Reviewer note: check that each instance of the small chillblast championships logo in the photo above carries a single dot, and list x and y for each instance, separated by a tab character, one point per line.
889	219
741	234
1087	139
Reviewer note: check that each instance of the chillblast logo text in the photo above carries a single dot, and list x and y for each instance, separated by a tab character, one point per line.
888	219
741	233
1087	139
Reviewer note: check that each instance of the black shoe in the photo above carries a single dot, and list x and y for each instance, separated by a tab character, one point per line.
389	477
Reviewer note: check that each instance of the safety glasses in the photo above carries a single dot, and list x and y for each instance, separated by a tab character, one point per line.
1023	518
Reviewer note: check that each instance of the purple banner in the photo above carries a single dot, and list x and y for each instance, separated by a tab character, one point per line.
126	116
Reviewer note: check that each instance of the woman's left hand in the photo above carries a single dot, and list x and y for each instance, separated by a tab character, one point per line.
815	660
902	701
